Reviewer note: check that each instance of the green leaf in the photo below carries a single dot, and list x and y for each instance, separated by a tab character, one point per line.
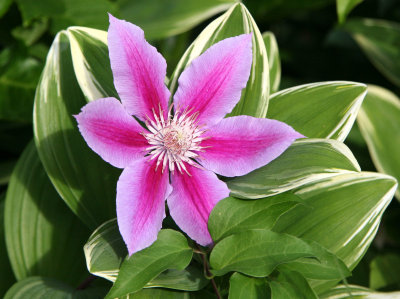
92	68
6	168
18	79
43	237
7	276
319	110
305	161
274	61
37	287
242	286
327	266
232	215
385	271
32	33
353	292
4	6
82	178
170	251
160	18
344	7
157	294
380	41
256	252
290	284
237	20
379	122
344	213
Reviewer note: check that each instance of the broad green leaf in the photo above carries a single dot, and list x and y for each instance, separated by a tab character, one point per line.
242	286
157	294
357	292
385	271
380	41
7	276
274	61
379	122
169	251
232	215
36	287
344	7
92	68
290	284
319	110
4	5
43	236
160	18
305	161
344	213
256	252
83	179
327	266
237	20
105	251
18	79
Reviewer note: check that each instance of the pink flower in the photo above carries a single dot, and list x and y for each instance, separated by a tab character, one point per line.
174	156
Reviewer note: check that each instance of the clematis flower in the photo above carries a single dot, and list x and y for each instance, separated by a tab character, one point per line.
175	152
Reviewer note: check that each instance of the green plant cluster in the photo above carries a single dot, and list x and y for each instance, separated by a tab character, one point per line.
317	222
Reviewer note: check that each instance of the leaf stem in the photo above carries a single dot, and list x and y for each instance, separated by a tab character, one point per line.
207	271
86	282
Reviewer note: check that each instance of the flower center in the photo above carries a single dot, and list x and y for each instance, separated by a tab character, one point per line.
175	141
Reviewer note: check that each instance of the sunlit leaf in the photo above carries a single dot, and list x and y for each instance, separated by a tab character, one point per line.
36	287
290	284
160	18
85	182
380	41
43	236
305	161
344	7
237	20
169	251
256	252
353	291
319	110
232	215
274	61
379	122
242	286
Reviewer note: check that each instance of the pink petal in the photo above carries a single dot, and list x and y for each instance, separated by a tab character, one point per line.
238	145
213	82
192	199
141	194
139	70
111	132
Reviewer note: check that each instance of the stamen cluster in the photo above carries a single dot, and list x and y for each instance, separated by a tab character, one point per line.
175	140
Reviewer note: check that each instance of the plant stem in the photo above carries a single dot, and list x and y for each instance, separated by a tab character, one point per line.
208	273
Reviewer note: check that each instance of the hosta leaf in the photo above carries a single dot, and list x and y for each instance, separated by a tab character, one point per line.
385	271
7	276
256	252
274	61
157	294
380	40
43	236
170	251
37	287
305	161
344	7
237	20
353	291
232	215
319	110
242	286
92	68
105	250
290	284
379	122
83	179
344	213
160	18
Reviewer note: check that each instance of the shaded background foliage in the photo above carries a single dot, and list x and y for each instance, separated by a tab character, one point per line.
313	47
